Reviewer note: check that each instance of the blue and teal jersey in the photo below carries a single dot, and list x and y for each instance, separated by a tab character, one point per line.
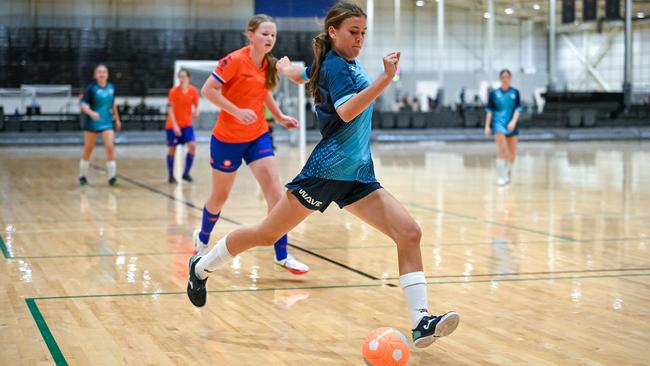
101	101
503	105
344	151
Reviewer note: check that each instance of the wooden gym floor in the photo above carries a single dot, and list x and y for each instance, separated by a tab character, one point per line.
552	270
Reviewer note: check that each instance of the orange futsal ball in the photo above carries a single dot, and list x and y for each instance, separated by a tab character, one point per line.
385	347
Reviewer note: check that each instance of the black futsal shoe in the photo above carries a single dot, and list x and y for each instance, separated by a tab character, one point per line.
187	178
431	328
196	289
83	181
112	182
172	180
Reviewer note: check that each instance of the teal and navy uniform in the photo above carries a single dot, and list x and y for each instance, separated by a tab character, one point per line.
340	169
101	101
503	104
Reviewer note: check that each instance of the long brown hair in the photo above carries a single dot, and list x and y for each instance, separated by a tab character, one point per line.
323	43
272	78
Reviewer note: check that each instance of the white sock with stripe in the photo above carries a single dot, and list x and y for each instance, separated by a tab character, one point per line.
218	256
83	167
414	285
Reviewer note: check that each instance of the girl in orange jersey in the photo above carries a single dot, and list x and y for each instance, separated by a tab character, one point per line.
182	98
241	86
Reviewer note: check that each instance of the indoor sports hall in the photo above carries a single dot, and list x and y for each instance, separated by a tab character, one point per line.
513	136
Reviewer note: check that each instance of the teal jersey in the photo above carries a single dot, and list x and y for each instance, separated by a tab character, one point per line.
503	104
100	100
344	151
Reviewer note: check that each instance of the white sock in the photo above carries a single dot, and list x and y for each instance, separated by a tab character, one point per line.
213	260
502	168
415	289
83	167
111	168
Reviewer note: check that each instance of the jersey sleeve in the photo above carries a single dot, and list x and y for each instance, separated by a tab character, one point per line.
491	106
339	82
518	107
306	71
226	69
87	96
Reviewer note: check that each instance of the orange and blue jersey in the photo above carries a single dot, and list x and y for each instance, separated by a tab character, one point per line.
181	104
244	85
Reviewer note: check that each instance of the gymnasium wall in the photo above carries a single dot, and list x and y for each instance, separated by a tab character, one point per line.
462	58
605	51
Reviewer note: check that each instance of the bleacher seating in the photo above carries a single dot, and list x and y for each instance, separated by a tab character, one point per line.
143	58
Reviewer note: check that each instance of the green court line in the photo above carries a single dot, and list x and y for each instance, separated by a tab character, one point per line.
433	209
55	351
59	359
359	247
5	250
636	269
324	287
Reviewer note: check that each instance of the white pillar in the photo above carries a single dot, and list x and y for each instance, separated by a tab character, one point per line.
397	24
441	41
489	44
551	45
627	72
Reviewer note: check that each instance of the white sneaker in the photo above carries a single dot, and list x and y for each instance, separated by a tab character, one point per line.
200	249
502	181
292	265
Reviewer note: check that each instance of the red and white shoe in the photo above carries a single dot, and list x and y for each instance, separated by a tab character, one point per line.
292	265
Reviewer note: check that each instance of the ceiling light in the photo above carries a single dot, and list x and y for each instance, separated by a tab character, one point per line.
419	3
486	15
509	11
640	14
536	7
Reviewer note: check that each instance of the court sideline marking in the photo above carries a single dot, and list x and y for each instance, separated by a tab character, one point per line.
59	359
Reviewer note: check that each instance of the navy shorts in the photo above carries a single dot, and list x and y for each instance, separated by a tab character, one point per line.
187	135
503	129
227	157
318	193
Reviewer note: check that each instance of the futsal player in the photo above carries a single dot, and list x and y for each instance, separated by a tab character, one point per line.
241	85
183	105
340	169
100	117
503	112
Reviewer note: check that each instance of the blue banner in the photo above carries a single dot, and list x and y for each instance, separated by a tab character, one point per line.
293	8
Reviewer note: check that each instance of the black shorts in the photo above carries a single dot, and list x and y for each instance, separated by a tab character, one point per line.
318	193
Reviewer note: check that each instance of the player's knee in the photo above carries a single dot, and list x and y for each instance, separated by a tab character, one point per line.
408	234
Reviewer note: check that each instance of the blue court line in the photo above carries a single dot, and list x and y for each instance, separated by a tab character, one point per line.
491	222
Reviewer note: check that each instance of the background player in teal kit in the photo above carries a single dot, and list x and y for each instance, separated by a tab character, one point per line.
101	117
503	112
340	170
